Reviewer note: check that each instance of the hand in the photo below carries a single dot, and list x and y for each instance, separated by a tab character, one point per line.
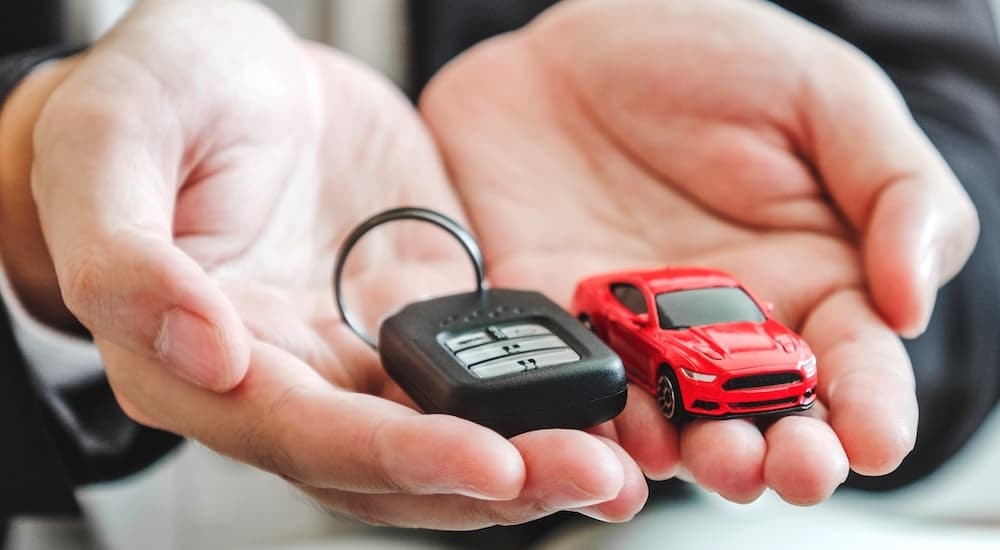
193	173
611	135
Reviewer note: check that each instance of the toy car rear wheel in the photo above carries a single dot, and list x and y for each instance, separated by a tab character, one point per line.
668	395
585	321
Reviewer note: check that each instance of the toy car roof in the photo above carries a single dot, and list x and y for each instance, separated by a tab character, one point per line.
673	278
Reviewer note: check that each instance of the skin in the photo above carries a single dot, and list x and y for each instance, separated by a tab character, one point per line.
706	133
193	235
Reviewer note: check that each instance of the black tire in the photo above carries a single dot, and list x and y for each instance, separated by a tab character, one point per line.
585	321
668	395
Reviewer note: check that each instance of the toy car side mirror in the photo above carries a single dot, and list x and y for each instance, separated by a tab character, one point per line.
641	319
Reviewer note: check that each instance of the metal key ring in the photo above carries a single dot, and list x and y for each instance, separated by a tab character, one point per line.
394	214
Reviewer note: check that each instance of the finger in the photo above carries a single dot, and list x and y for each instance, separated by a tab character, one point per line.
286	419
565	470
647	436
917	240
725	456
104	180
805	461
565	465
866	381
917	223
630	499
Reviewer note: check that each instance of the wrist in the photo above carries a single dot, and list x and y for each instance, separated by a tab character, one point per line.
22	246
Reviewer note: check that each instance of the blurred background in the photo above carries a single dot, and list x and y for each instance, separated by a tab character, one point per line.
196	499
376	31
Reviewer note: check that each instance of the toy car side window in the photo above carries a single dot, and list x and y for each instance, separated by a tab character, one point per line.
630	297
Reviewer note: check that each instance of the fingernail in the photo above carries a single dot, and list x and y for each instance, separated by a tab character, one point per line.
568	496
594	513
468	491
928	279
192	347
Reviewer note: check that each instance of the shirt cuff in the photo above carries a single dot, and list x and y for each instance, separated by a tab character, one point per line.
14	67
56	358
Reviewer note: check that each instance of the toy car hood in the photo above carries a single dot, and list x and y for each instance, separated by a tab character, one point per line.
735	346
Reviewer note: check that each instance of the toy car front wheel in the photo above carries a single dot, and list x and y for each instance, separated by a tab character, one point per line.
585	321
668	395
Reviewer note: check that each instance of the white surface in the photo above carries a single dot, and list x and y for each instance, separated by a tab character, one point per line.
88	19
197	500
55	357
957	508
768	524
965	490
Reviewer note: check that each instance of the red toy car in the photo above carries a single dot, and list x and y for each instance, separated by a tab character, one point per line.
710	349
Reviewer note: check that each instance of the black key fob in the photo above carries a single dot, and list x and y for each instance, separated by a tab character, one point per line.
511	360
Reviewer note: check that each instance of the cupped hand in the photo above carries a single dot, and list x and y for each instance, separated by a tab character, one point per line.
611	135
193	173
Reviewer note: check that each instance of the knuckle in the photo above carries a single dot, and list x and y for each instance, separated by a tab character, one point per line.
267	447
268	454
72	122
83	113
377	451
85	288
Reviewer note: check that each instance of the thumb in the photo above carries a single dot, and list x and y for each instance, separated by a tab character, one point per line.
917	224
104	180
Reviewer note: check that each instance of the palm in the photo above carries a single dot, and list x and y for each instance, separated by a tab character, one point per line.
272	252
590	153
604	152
367	139
325	144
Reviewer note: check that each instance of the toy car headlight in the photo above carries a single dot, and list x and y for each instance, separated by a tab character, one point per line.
697	376
808	366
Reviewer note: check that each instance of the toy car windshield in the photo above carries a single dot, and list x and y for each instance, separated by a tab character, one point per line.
682	309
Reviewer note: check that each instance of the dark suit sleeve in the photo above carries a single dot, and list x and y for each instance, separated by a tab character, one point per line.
943	56
33	480
53	439
442	29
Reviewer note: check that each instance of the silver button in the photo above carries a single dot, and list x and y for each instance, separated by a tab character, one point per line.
520	331
507	365
468	340
496	368
508	347
552	358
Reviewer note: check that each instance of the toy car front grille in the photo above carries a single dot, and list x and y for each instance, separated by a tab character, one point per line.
757	404
761	380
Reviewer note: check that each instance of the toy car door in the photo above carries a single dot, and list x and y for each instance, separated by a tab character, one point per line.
627	319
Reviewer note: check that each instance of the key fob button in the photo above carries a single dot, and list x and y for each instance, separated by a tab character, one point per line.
520	331
533	367
468	340
498	367
471	357
552	358
549	358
